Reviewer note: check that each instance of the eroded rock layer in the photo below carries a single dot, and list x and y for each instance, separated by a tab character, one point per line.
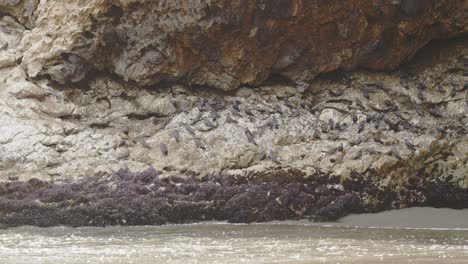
225	43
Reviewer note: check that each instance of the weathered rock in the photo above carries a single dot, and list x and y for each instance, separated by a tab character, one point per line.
226	44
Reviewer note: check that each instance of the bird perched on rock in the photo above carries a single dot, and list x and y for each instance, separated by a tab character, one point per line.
272	156
235	112
278	109
272	123
199	144
236	104
144	143
331	125
248	111
377	138
337	92
209	123
333	137
229	119
395	153
435	112
250	137
197	118
163	148
440	89
287	102
316	134
357	154
409	144
190	130
175	135
355	142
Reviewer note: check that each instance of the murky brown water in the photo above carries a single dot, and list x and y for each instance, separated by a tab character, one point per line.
279	242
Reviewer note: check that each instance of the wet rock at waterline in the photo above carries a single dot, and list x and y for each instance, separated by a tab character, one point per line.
147	198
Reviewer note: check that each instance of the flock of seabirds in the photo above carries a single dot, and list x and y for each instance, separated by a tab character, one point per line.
391	117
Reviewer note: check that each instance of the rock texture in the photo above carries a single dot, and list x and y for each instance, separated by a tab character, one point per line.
90	87
224	43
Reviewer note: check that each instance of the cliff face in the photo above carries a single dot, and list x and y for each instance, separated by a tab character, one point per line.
225	43
89	87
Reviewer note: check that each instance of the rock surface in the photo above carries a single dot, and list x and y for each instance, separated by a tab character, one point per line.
90	87
223	43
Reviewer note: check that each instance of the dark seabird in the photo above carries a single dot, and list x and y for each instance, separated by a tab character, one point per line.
377	123
355	142
163	148
295	113
440	89
404	82
354	118
248	111
229	119
435	112
343	126
409	144
144	143
377	138
389	103
190	130
360	104
333	137
197	118
331	125
417	108
236	104
371	151
387	120
262	130
325	128
337	92
399	115
340	148
365	92
421	96
214	115
199	144
316	134
287	102
278	109
357	154
209	123
272	123
175	135
378	84
235	112
272	156
395	153
421	86
453	92
249	136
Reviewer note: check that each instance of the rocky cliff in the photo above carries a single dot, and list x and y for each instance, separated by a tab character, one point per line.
209	89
